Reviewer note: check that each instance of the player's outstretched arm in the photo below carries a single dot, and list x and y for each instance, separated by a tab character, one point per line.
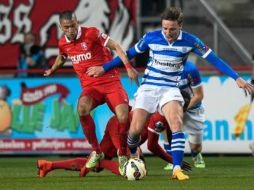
60	60
132	73
245	85
97	71
226	69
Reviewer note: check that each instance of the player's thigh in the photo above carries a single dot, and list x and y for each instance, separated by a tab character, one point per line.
146	99
117	96
173	113
139	118
193	120
90	98
193	123
168	95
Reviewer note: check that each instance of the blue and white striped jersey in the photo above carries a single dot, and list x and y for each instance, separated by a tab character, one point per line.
190	78
166	60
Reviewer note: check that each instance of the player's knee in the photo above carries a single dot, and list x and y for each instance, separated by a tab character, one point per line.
122	117
176	124
135	129
83	109
84	106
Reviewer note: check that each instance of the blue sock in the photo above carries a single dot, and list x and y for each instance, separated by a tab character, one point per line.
167	148
133	143
177	148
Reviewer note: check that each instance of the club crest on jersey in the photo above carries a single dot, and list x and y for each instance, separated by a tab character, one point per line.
83	46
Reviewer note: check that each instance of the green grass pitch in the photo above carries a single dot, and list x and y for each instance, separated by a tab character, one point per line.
222	172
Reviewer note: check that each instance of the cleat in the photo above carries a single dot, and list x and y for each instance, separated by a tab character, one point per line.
43	167
179	175
199	161
122	160
94	159
168	167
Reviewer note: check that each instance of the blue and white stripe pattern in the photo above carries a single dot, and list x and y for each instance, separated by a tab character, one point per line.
166	59
133	143
177	147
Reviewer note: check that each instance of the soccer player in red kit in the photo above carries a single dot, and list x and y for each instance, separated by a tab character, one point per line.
86	47
109	145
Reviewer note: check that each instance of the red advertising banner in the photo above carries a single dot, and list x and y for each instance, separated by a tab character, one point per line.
30	96
44	145
117	18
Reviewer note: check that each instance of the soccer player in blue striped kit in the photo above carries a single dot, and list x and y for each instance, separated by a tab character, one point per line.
168	48
194	117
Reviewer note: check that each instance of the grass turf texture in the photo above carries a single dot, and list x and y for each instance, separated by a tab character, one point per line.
225	173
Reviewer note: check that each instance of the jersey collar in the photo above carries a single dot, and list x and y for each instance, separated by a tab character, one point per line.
180	36
78	35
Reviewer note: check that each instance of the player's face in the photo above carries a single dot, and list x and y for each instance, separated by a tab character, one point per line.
171	29
70	28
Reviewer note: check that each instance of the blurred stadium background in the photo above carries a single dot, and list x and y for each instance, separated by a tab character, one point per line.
33	122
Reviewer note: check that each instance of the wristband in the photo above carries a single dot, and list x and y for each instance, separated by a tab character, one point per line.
128	66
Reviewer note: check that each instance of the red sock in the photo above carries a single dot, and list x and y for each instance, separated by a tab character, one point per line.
71	164
110	165
123	129
88	127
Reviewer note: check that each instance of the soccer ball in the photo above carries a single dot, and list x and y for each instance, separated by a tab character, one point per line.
134	169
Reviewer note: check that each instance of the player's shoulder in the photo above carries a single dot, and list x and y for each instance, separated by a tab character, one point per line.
90	31
189	37
62	41
153	34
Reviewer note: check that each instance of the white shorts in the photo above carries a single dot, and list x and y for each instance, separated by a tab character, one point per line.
152	99
193	124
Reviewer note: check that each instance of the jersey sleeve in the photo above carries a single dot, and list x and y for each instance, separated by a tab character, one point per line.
200	48
98	36
142	44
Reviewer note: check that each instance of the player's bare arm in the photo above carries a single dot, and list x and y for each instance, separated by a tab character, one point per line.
132	73
97	71
60	60
198	95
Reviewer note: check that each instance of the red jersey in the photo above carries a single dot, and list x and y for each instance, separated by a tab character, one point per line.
89	49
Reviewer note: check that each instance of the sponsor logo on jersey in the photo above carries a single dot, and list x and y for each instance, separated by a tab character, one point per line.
80	57
176	65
